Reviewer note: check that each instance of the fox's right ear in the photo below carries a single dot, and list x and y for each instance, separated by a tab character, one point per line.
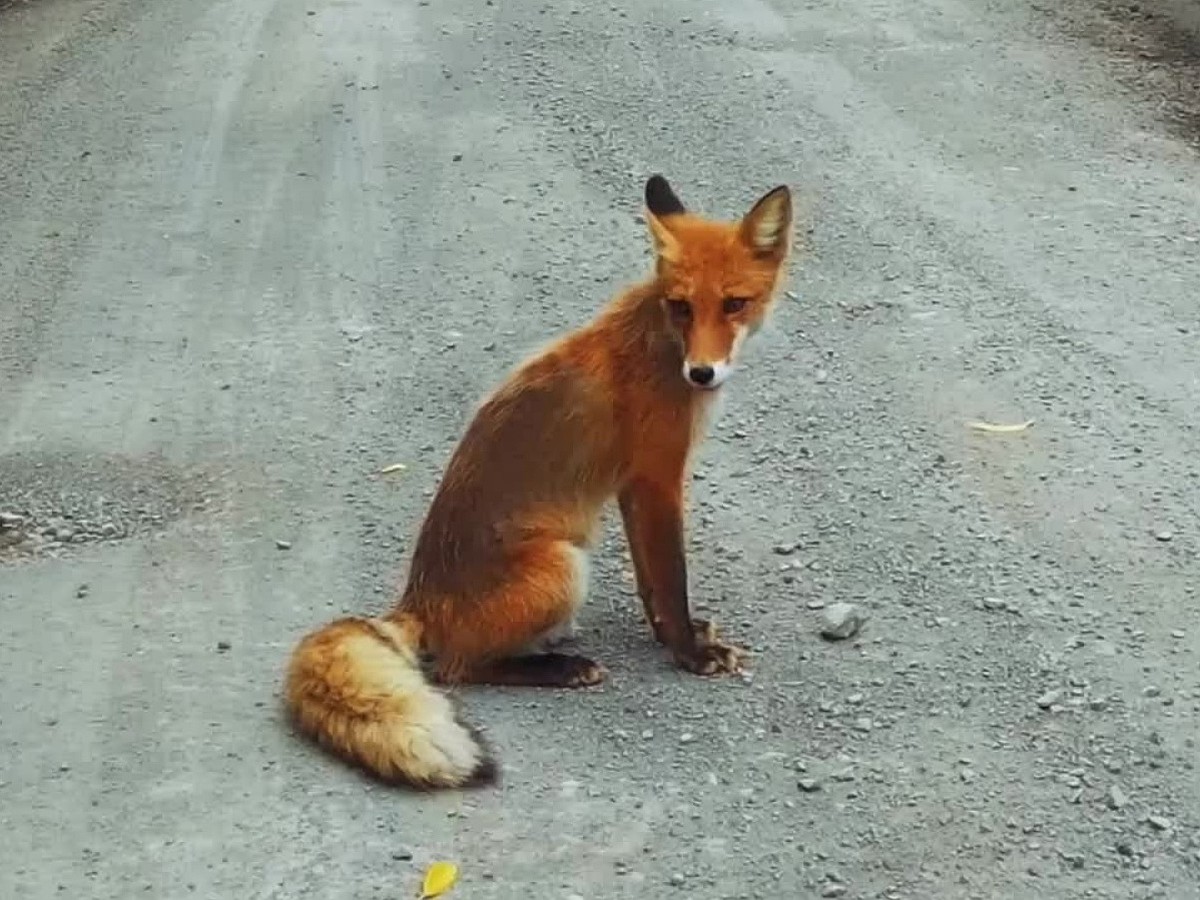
666	246
660	202
660	197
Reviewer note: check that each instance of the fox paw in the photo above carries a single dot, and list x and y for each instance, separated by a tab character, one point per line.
586	674
714	658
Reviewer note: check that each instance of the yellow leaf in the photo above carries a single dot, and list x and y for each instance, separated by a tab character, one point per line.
999	429
439	878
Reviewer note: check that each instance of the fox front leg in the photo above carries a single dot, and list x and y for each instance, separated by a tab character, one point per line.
653	517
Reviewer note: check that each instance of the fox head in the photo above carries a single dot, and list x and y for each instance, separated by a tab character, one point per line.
717	280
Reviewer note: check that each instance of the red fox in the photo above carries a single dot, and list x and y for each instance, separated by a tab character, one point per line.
611	410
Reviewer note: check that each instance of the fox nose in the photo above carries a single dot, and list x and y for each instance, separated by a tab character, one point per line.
701	375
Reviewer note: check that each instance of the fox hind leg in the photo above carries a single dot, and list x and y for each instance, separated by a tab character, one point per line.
535	609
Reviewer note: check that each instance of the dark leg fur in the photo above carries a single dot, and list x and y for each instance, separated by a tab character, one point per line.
540	670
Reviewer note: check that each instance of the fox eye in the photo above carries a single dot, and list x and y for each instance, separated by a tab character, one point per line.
679	309
733	305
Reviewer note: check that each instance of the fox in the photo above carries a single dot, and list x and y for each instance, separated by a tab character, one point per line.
500	567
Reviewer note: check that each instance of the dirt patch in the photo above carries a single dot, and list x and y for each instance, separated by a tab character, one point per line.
52	502
1154	47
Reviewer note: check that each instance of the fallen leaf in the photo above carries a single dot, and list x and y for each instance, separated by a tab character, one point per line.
394	467
999	429
439	878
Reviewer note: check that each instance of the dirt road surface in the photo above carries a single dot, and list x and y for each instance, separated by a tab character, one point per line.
253	251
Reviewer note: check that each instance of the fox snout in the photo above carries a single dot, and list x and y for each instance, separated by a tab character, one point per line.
707	375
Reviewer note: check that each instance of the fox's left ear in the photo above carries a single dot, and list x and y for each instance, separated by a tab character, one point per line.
767	228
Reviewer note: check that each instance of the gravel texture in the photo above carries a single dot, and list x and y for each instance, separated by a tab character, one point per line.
254	252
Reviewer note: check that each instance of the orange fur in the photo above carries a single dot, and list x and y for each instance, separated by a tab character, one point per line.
611	410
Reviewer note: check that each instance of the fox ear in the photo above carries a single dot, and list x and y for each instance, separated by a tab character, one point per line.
660	197
666	246
767	228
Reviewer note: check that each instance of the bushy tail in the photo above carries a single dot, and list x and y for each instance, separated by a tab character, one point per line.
356	687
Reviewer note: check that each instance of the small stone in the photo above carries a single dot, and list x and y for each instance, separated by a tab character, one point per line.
108	530
10	520
222	646
677	879
283	545
1116	798
1159	823
1151	690
64	534
841	621
809	785
833	890
402	855
1048	699
687	737
994	604
81	591
1163	536
784	549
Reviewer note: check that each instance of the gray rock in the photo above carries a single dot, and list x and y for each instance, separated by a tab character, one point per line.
1048	699
841	621
1116	798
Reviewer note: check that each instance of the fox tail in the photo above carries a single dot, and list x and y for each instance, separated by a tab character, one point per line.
355	686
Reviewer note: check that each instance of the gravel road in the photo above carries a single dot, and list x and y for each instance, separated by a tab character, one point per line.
251	252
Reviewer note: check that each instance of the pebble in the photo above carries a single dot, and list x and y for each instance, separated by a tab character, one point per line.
1116	798
1159	822
283	545
1163	536
222	646
833	890
1048	699
809	785
841	621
